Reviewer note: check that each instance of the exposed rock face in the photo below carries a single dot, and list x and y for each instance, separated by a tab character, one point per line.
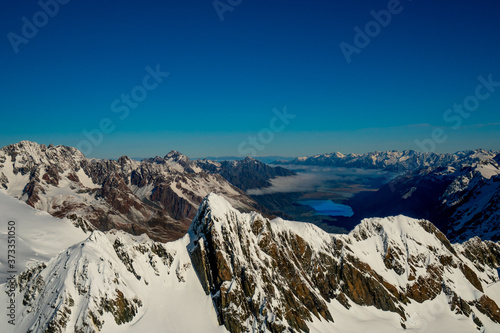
482	253
244	261
246	174
178	206
158	196
255	274
488	307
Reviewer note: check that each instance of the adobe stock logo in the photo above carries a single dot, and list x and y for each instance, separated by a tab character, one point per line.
266	135
122	106
455	116
29	29
372	29
221	7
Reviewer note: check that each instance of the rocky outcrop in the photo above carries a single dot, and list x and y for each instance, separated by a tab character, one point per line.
179	207
254	275
243	261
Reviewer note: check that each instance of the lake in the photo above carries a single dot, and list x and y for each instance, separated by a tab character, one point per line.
328	207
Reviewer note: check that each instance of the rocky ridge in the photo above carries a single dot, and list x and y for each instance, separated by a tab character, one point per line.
158	196
279	276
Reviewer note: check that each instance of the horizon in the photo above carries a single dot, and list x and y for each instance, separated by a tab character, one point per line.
252	78
162	155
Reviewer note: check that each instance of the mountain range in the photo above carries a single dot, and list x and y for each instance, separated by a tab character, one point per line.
395	161
158	196
241	272
174	245
460	195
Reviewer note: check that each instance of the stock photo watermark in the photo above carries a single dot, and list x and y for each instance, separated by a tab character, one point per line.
459	112
265	136
11	271
373	28
122	107
30	27
223	6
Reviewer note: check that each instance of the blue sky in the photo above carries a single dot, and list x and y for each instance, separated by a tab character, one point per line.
226	77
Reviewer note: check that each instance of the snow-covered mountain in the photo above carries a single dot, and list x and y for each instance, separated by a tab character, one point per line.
396	161
41	236
159	196
240	272
245	174
462	199
102	282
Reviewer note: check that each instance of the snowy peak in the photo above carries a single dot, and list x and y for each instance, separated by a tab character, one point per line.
390	264
42	236
249	159
249	274
175	155
396	244
398	161
80	283
156	196
487	168
29	154
180	162
125	160
112	282
215	206
401	228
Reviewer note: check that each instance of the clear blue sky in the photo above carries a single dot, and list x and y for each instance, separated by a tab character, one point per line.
226	77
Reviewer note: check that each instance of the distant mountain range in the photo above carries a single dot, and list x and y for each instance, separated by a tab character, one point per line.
395	161
263	159
461	197
245	174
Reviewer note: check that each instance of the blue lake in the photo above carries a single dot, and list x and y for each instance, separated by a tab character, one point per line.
328	207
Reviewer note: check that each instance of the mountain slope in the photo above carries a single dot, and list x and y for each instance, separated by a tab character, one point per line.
75	281
246	273
38	236
114	282
248	173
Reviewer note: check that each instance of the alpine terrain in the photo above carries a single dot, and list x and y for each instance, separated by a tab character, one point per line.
460	195
241	272
157	196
